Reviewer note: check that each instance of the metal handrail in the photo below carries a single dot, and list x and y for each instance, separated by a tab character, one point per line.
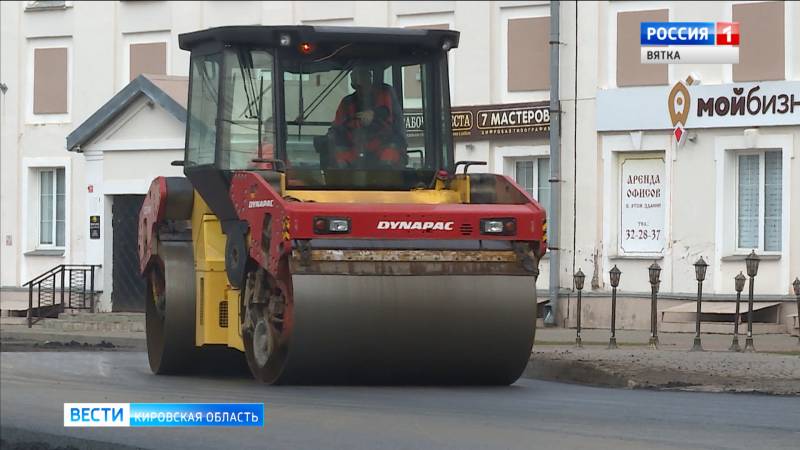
60	267
44	275
49	279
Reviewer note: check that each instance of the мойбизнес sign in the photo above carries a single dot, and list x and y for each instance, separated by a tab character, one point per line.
765	103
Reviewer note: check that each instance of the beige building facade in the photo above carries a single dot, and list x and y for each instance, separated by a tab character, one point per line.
730	185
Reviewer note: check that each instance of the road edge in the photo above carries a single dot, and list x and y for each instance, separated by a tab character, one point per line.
591	374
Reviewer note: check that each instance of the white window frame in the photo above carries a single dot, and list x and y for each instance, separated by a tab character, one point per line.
726	149
41	43
505	159
147	37
54	226
536	160
761	153
28	236
507	13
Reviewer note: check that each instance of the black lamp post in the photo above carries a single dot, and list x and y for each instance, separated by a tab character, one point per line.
614	274
796	286
579	277
655	279
751	262
740	279
700	267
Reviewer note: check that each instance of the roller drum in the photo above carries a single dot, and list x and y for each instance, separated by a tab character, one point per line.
170	309
446	329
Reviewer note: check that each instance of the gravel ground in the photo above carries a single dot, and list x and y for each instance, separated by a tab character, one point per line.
671	369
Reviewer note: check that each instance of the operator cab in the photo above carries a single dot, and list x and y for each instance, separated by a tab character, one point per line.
332	108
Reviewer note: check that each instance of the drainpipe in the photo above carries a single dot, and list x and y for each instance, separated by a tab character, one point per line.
554	215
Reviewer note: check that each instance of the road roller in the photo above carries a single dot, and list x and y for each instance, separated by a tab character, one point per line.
322	231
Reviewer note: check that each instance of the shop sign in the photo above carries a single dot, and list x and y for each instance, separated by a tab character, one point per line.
688	105
94	227
642	206
485	122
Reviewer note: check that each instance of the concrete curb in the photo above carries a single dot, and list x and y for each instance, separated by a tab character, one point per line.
592	374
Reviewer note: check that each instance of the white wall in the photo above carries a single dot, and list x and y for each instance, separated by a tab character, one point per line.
124	158
100	31
98	35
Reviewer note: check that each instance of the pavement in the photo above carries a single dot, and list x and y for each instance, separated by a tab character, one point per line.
774	369
528	414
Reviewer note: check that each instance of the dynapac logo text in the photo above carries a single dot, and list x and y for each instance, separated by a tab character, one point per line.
260	204
414	225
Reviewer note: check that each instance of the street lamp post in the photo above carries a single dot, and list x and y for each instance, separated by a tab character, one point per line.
739	287
579	277
751	262
614	274
655	279
700	273
796	286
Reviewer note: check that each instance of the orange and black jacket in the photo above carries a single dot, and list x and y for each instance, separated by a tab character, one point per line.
387	126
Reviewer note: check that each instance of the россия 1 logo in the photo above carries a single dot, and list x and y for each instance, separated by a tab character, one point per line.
689	42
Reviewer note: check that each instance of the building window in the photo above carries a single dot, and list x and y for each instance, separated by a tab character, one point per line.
528	54
759	201
534	176
50	81
52	207
630	70
761	51
148	58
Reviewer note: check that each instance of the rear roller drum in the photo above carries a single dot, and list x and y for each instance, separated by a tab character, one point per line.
170	309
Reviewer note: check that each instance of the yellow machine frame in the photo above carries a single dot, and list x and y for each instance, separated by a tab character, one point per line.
217	319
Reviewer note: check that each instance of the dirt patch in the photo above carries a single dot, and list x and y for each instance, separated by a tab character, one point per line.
9	344
75	345
670	370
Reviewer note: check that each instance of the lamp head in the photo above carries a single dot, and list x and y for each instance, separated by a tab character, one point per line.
751	262
579	278
614	274
700	267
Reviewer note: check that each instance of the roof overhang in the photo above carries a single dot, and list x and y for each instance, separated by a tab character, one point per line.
140	86
269	36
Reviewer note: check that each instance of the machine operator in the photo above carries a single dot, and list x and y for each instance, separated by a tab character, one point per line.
369	125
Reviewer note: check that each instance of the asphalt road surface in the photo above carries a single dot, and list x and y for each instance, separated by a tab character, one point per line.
530	414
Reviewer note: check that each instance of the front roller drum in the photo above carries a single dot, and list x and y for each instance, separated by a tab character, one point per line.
170	309
346	329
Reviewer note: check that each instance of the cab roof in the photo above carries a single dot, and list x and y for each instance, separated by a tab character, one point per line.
270	36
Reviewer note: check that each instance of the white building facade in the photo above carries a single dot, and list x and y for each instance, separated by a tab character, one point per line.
731	184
